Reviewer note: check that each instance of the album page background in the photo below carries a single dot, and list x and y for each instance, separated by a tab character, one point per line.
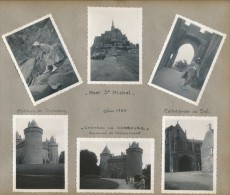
145	108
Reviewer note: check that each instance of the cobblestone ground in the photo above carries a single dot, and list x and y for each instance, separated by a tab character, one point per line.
193	180
171	80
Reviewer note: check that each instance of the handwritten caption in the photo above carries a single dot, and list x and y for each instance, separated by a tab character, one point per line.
39	111
114	130
110	92
185	111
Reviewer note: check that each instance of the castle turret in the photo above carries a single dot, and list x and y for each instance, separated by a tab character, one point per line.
18	138
33	144
134	160
104	157
53	151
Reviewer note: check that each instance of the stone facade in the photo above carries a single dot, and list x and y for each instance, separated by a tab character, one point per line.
113	43
125	165
32	150
207	151
181	153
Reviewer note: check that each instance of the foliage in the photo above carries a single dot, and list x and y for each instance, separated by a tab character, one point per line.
88	163
147	173
181	65
62	157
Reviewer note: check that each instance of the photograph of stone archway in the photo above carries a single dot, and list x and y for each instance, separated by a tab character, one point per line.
189	154
187	59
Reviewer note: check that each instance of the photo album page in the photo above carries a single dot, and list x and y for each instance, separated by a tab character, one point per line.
115	97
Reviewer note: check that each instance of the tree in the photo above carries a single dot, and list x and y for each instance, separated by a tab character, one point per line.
62	157
88	163
147	173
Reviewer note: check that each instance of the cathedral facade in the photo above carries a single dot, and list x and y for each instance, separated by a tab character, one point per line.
112	43
183	154
32	150
124	165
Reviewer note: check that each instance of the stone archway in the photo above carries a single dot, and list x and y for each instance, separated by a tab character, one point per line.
185	164
185	53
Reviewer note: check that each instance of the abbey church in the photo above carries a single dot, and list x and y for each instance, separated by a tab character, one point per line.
113	43
122	166
32	150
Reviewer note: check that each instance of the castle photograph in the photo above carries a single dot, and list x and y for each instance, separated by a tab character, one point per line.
189	152
187	59
39	148
118	164
114	45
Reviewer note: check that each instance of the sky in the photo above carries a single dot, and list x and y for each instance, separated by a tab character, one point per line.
195	128
116	146
185	52
128	20
51	125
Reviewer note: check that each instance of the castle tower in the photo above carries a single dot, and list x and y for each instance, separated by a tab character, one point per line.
134	160
104	157
53	151
207	150
33	144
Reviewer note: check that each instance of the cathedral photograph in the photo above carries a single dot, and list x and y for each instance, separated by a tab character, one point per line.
115	164
39	148
189	154
114	45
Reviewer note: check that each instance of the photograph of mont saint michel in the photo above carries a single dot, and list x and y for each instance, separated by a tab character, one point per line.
39	151
114	45
115	165
189	154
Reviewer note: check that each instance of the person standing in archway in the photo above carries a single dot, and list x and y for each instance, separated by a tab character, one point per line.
192	71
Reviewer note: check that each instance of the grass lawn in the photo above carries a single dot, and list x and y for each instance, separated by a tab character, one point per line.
44	176
96	183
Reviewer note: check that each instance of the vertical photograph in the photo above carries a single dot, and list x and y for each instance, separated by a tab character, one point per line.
40	153
42	59
189	149
187	59
120	165
114	45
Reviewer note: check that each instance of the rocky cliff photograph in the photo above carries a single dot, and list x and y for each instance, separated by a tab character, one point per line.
42	59
114	45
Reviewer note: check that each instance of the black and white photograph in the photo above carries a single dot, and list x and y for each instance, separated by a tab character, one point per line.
40	152
187	59
115	165
42	59
189	148
114	45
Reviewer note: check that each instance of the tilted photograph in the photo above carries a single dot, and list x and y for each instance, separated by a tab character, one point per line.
42	59
40	153
187	59
189	152
115	165
114	45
